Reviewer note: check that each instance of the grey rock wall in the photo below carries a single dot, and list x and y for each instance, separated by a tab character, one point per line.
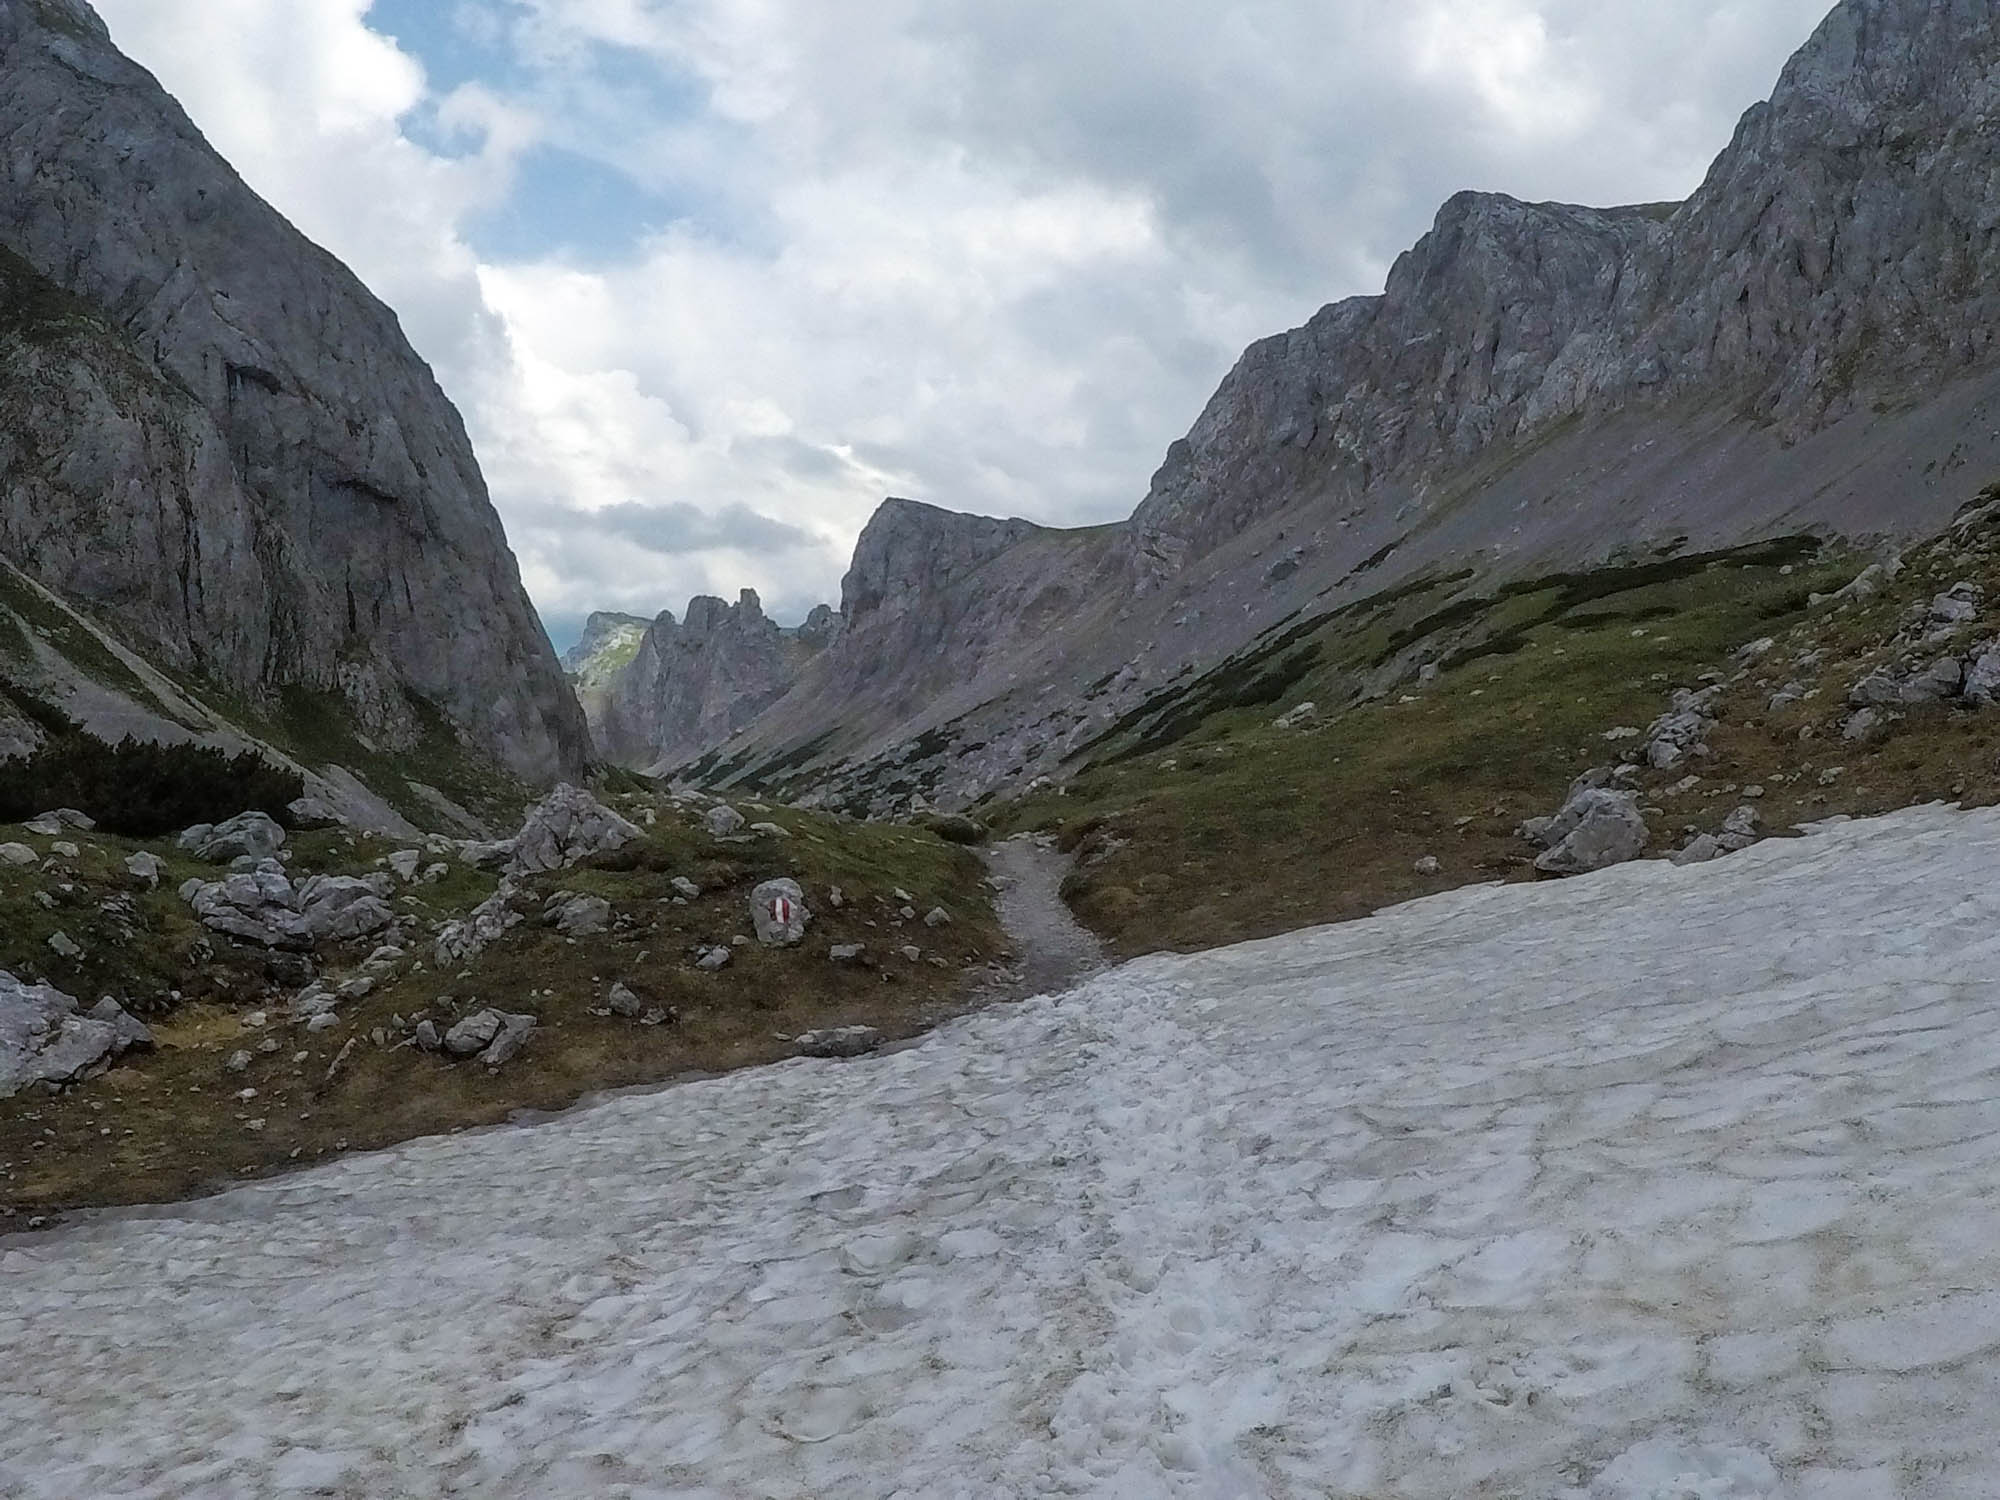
273	489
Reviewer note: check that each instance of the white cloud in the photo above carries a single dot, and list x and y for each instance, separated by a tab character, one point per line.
994	256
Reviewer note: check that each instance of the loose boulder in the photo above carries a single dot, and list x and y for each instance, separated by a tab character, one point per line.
567	826
506	1046
1597	828
778	910
577	916
254	835
722	822
475	1033
1982	677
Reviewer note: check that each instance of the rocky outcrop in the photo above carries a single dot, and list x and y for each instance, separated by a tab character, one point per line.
1839	253
45	1040
608	642
693	683
274	492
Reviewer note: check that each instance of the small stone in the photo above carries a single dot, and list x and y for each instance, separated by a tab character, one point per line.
1429	865
723	821
685	887
1700	851
623	1002
1860	724
64	946
846	953
145	867
715	958
913	953
936	917
839	1041
324	1021
237	1062
514	1034
18	855
427	1036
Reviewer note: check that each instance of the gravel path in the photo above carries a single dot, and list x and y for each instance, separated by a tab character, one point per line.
1054	950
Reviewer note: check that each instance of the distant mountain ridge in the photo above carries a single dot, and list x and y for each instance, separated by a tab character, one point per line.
1806	343
219	443
691	683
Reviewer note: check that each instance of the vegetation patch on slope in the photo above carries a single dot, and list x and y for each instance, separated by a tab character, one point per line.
1441	725
181	1121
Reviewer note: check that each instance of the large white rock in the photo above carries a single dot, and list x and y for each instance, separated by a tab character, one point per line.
252	834
44	1040
258	906
567	826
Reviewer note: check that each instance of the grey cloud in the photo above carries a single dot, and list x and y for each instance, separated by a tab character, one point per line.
670	530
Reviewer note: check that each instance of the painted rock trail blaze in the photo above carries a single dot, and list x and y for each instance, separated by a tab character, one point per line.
1666	1181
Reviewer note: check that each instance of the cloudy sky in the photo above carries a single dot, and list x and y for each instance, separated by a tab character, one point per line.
709	278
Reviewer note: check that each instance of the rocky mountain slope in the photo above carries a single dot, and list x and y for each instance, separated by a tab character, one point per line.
692	683
1805	344
275	497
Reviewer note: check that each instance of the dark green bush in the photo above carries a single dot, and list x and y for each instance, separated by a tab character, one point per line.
137	788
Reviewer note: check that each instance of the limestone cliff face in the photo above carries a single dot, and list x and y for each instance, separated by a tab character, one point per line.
1841	252
218	440
693	683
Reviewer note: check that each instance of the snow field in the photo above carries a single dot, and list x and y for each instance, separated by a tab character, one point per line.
1664	1184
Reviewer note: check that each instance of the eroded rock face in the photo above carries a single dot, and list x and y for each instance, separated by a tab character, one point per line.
692	683
1767	284
274	490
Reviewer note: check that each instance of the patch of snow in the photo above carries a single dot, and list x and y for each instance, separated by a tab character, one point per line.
1663	1182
